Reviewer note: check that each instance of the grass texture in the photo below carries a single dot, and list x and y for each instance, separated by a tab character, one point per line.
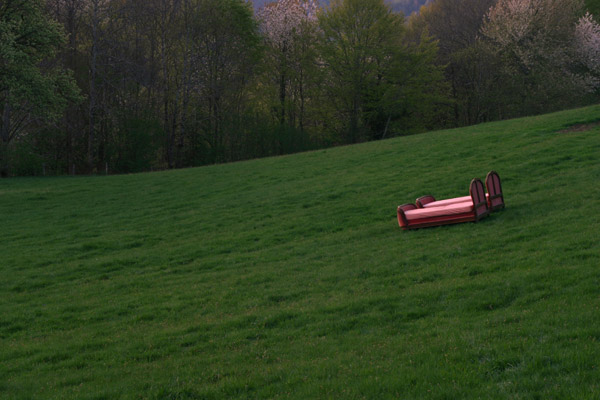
289	277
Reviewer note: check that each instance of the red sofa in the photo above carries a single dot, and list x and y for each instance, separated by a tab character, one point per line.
471	209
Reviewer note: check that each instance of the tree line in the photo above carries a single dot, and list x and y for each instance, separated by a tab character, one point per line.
119	86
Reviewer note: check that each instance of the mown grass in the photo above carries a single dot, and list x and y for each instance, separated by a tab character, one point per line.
289	277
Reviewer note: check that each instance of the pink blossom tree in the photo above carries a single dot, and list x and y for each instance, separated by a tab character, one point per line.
540	45
288	27
531	30
587	45
283	20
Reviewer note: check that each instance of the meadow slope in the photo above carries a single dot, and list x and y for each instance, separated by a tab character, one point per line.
288	277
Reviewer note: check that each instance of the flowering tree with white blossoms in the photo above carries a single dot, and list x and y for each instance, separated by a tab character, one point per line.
532	30
587	45
541	45
282	20
288	27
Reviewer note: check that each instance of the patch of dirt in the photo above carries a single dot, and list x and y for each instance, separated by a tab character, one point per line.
580	127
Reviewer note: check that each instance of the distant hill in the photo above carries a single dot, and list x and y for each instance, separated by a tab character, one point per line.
406	6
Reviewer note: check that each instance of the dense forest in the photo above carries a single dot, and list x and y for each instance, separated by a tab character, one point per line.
119	86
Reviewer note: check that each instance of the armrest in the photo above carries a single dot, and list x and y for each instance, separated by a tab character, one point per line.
421	201
402	221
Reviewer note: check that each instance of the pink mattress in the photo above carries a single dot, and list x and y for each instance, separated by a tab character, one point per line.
450	209
447	202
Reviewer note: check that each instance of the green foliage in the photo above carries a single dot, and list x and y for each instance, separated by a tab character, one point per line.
29	90
136	145
289	277
382	85
28	37
225	47
469	70
505	59
593	7
25	161
533	48
206	81
416	93
358	40
287	80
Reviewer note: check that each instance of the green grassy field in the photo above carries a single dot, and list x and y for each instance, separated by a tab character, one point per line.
290	278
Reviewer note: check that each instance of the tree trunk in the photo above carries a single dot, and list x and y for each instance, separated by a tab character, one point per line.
165	87
3	159
354	120
282	86
4	140
301	117
93	73
185	86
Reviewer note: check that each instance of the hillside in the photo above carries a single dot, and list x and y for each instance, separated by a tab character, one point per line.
288	277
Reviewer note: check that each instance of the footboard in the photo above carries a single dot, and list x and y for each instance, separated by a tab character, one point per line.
480	204
494	189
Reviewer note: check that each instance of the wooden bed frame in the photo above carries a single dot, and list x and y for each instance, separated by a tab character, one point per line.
494	189
472	210
494	195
